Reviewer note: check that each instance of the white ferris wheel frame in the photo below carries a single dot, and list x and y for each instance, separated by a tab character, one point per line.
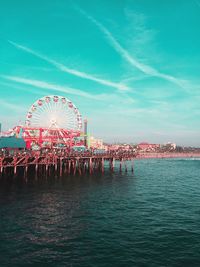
53	105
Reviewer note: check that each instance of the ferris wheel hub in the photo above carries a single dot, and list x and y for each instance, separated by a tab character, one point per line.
53	123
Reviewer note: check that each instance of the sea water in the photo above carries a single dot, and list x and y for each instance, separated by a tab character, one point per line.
147	218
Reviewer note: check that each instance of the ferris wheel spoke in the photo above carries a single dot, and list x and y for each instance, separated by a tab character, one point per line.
44	109
48	107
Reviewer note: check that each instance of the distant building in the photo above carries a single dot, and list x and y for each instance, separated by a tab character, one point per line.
144	146
170	146
114	147
120	147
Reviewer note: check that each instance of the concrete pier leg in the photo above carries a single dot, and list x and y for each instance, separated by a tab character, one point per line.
126	166
79	167
132	166
120	166
95	164
91	165
49	170
112	164
15	170
69	166
60	167
36	171
85	166
102	165
25	173
65	167
88	165
46	170
74	167
55	166
1	171
26	170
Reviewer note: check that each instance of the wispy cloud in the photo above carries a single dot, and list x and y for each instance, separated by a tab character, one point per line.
105	98
49	86
68	70
11	106
146	69
18	87
135	78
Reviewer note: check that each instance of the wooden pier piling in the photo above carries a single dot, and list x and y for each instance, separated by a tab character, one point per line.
48	164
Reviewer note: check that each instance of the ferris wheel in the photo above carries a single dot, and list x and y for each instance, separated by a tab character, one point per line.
54	112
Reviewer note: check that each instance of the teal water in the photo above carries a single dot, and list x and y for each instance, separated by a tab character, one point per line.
149	218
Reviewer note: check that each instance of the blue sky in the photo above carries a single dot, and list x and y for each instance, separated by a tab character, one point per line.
130	66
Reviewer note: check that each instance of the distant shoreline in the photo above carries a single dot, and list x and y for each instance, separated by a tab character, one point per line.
167	155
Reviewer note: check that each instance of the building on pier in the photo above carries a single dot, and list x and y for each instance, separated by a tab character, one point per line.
12	143
95	143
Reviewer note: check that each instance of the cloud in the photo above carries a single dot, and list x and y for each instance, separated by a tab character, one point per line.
50	86
19	87
105	98
146	69
11	106
74	72
138	78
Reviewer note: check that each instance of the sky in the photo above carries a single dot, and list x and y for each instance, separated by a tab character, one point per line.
132	67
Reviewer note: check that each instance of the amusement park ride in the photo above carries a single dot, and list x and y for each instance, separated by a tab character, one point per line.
51	122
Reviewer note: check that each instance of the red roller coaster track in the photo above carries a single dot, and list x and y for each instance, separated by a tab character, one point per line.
45	137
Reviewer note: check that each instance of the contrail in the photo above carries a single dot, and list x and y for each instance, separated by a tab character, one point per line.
74	72
129	58
50	86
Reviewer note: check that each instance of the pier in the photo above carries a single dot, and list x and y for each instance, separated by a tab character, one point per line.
58	164
62	164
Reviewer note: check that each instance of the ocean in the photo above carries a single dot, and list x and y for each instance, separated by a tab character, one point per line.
147	218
